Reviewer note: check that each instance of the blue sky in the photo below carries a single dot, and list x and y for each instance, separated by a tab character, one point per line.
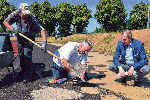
91	4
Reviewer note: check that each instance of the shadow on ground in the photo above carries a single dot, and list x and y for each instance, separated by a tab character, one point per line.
145	83
9	79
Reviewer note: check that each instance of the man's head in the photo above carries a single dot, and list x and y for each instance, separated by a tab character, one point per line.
126	37
85	47
25	10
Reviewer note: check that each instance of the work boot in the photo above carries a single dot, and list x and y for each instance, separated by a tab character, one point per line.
124	80
26	80
137	82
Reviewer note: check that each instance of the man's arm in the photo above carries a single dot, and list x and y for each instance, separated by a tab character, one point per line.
67	67
12	18
143	58
44	39
39	28
43	34
117	56
8	25
117	62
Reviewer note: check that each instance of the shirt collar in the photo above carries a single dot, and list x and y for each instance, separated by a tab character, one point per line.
127	46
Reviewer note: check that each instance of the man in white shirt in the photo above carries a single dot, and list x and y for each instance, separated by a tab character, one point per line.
71	52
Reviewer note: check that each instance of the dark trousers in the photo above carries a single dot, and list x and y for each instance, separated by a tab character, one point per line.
25	49
139	72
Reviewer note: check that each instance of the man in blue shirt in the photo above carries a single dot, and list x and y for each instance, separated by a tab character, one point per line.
133	59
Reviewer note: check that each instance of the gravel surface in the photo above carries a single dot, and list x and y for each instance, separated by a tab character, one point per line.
12	87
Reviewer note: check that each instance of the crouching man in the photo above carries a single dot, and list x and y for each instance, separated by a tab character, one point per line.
71	52
133	59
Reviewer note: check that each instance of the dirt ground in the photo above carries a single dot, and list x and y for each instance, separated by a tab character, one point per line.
110	87
110	84
104	87
111	81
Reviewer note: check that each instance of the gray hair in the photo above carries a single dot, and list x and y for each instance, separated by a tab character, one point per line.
129	34
89	43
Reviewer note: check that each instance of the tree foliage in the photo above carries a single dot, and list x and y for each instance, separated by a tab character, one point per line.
5	10
99	30
45	13
138	16
1	30
35	9
111	14
81	15
64	17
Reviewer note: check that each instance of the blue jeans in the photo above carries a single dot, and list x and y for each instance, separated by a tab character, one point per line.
139	73
59	72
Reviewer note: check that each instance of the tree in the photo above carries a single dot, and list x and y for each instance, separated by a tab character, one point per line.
138	16
111	14
46	16
5	10
35	9
81	15
64	18
99	30
1	30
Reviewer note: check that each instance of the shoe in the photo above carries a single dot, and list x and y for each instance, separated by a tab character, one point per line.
79	81
137	82
27	80
124	80
49	80
60	81
57	81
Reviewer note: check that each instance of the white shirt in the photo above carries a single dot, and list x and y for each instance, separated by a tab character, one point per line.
129	57
70	52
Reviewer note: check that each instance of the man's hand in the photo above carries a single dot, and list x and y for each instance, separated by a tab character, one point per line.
130	71
121	71
43	46
17	31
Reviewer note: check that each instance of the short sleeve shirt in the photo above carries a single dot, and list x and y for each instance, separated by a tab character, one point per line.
30	26
70	52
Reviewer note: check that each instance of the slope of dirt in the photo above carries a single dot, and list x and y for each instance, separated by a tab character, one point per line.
107	42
